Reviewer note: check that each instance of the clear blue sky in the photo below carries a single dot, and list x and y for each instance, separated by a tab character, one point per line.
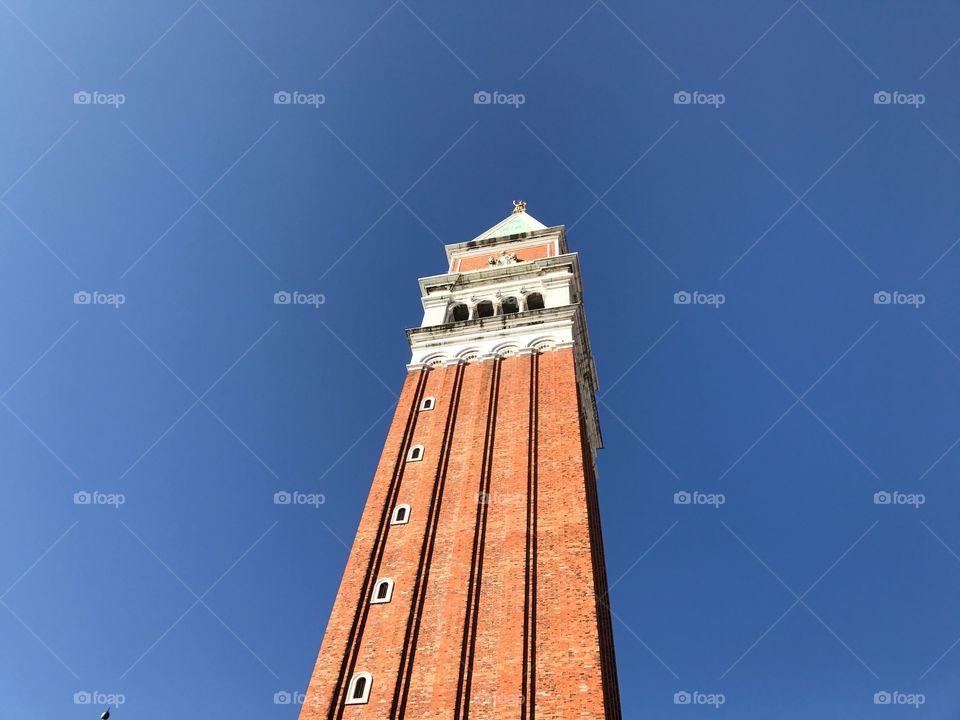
197	399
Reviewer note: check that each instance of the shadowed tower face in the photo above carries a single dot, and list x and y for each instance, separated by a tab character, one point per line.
476	586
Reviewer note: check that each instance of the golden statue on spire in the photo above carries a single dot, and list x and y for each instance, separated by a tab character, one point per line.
519	206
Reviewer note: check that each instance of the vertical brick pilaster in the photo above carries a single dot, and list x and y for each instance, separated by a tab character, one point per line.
498	665
569	675
471	628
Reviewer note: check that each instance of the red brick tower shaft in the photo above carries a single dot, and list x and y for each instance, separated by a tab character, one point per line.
476	585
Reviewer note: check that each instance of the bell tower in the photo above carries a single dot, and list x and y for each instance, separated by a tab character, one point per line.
476	585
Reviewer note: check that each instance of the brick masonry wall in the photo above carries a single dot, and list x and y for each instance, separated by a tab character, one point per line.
496	685
434	686
569	672
461	636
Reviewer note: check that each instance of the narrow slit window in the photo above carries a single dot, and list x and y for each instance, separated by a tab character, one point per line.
509	305
382	591
415	454
484	309
428	403
401	515
358	692
534	301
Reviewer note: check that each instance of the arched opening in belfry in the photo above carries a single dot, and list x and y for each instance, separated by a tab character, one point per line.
484	309
459	312
534	301
509	305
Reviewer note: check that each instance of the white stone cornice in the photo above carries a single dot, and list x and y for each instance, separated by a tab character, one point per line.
524	333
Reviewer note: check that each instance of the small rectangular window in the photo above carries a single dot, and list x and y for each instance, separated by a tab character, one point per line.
415	453
428	403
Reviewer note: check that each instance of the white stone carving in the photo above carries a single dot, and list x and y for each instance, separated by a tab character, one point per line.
504	258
